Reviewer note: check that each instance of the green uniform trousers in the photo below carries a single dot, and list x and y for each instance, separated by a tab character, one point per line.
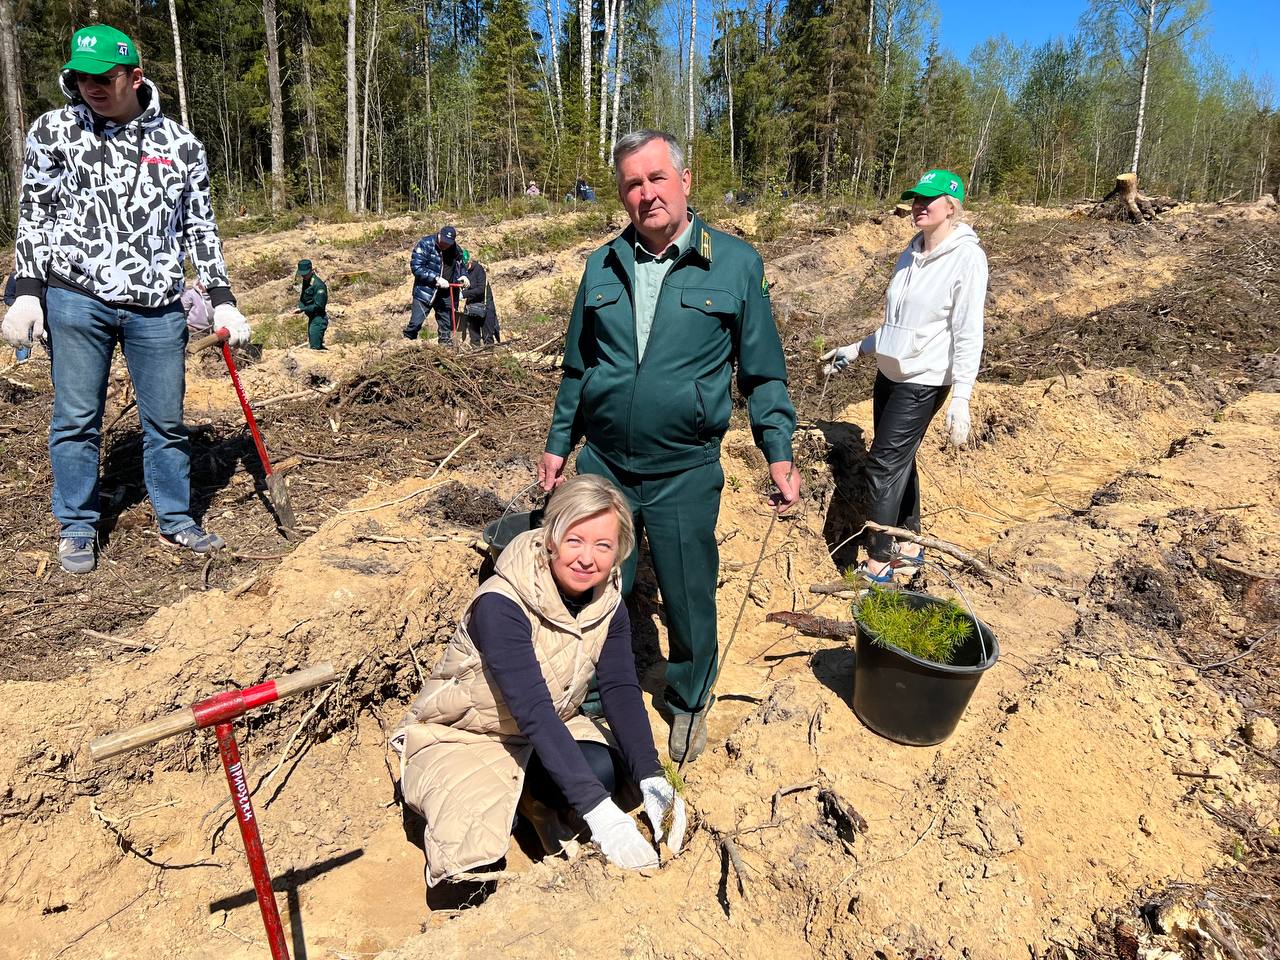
678	511
315	331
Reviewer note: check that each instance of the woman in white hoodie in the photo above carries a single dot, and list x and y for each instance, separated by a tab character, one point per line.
927	348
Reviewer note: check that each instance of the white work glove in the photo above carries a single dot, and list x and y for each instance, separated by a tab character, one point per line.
958	421
24	321
839	358
442	283
465	282
619	838
226	316
660	797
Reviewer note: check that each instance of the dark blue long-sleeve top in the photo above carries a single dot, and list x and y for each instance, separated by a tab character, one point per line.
502	633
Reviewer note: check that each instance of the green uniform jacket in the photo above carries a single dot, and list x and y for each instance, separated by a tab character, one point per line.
670	410
314	298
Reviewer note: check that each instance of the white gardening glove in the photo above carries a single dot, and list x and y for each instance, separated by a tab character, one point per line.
958	421
465	282
442	283
227	316
660	797
619	838
839	358
24	321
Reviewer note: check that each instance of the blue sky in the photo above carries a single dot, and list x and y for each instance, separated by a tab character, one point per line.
1235	31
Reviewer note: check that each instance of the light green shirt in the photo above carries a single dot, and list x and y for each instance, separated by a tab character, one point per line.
651	271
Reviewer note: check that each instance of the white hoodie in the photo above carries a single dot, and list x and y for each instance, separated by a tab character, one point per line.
932	330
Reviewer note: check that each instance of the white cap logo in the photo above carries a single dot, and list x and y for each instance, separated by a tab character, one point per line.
86	43
122	49
955	185
928	177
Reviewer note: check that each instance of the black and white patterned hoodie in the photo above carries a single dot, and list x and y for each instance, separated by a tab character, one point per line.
111	209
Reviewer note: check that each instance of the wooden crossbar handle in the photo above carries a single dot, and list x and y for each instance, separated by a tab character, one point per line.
212	340
216	709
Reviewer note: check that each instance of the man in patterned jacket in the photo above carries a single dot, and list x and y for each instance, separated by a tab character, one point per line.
114	195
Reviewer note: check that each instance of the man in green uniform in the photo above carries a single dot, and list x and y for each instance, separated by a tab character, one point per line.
664	312
312	301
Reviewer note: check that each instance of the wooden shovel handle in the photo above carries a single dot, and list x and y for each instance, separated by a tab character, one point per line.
184	720
204	343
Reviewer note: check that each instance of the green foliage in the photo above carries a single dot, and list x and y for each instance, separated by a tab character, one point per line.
934	632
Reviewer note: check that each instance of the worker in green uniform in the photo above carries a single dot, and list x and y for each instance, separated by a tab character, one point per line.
312	301
664	313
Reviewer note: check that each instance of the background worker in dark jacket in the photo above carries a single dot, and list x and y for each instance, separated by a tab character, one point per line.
662	315
313	301
436	262
477	316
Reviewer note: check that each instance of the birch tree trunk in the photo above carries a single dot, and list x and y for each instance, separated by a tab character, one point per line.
584	60
371	44
277	107
351	106
309	108
610	11
177	63
889	8
693	43
728	79
1148	31
871	24
12	97
617	75
553	28
432	179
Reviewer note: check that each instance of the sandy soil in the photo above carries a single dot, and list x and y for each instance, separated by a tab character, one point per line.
1093	769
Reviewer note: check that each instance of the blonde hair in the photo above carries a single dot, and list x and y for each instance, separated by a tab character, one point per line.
585	496
957	208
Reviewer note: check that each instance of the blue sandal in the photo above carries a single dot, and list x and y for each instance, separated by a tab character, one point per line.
912	564
883	579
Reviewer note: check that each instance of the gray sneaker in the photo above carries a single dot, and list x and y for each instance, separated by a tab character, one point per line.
688	737
195	540
76	554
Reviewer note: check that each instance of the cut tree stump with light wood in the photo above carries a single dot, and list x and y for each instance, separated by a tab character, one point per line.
1124	202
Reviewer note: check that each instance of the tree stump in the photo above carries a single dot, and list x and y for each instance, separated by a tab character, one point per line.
1126	204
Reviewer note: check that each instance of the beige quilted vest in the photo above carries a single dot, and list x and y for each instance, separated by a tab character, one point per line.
462	758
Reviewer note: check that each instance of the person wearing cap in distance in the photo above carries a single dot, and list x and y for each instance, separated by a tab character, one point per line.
532	189
114	196
498	730
927	348
312	301
436	262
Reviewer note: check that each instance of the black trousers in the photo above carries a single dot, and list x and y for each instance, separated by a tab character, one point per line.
902	412
418	316
600	758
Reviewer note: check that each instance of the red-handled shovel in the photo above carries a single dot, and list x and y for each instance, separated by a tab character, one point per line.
277	490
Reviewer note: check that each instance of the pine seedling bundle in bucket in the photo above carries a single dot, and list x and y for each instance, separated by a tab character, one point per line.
919	660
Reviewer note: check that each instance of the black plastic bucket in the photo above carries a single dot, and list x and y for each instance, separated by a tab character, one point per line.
507	527
914	701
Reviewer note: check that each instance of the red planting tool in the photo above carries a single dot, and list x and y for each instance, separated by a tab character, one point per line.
453	306
218	711
277	490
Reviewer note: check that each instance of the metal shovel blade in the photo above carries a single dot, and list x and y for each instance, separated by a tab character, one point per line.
278	493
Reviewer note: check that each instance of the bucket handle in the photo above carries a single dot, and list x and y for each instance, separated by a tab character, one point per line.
977	624
512	503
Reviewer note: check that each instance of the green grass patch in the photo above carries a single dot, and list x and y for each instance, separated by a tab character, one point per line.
934	633
280	332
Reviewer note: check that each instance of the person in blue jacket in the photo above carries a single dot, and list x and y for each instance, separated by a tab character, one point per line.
436	262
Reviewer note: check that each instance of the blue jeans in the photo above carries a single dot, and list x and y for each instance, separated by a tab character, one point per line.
83	334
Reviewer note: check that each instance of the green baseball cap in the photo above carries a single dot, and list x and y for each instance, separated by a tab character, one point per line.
937	183
98	48
466	256
304	267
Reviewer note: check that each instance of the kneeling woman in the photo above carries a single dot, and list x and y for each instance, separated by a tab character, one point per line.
497	728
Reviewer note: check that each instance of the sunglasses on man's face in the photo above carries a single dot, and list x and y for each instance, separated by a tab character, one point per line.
98	79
